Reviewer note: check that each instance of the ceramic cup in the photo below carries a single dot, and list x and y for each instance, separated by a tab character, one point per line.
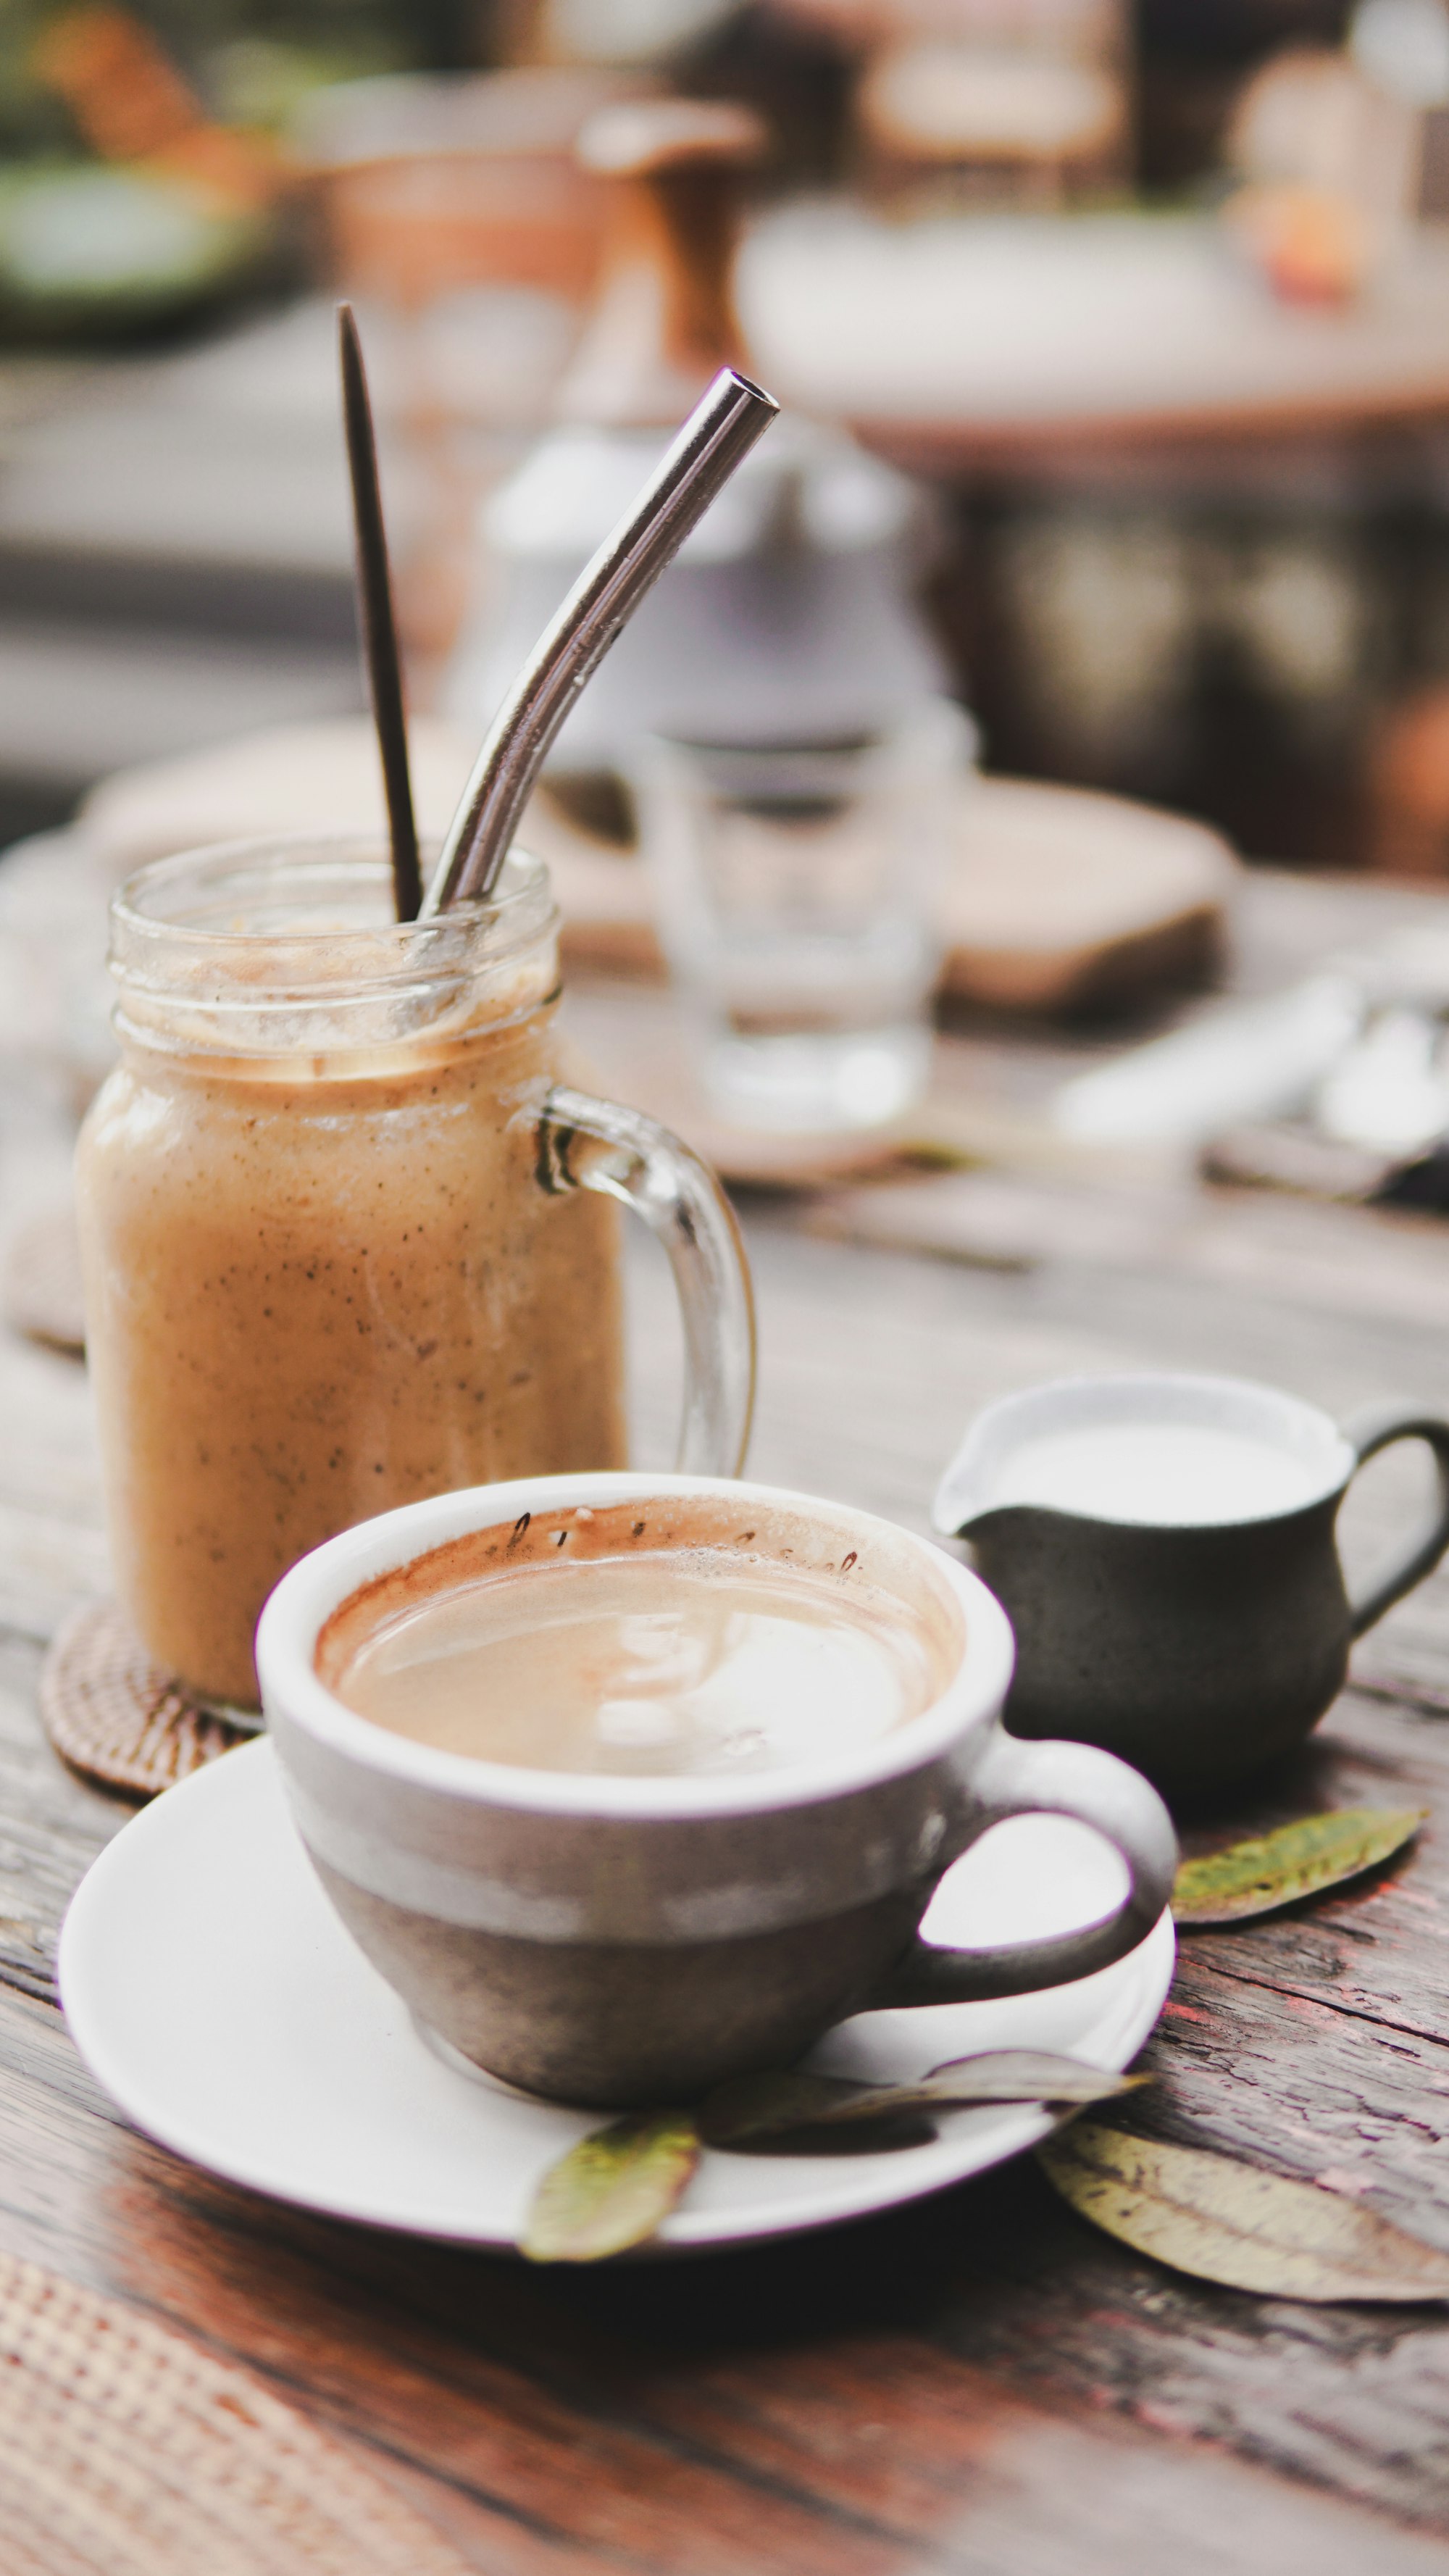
614	1940
1199	1638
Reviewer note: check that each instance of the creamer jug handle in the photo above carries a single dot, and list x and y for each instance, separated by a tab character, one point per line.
1421	1551
588	1144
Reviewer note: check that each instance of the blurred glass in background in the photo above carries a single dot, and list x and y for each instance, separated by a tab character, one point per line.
798	904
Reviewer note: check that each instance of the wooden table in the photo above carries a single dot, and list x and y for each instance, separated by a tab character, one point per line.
980	2383
1019	341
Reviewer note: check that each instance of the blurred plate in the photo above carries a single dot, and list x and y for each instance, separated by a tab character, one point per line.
1056	896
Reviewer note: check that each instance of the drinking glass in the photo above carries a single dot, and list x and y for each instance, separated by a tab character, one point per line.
797	895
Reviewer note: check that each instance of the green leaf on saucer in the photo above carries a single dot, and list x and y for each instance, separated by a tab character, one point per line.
756	2108
1296	1861
1228	2222
613	2190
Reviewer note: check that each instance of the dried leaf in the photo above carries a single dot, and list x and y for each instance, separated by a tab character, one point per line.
758	2107
1228	2222
769	2106
1298	1860
613	2190
1026	2075
889	2134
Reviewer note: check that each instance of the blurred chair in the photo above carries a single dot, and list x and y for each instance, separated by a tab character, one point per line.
430	182
997	102
454	207
1334	149
1409	786
664	319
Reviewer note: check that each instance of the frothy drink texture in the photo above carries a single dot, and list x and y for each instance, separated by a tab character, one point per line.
321	1286
1176	1474
670	1661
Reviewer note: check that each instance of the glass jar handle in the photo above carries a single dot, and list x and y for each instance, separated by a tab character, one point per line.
588	1144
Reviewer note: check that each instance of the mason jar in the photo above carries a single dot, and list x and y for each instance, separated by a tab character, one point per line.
347	1230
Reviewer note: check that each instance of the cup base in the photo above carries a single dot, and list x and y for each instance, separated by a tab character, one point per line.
454	2059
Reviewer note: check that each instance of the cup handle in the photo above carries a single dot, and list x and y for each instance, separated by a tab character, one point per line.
1368	1433
1049	1779
588	1144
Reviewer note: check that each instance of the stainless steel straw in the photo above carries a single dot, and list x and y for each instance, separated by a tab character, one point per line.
718	433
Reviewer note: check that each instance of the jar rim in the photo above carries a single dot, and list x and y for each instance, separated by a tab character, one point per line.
288	945
520	910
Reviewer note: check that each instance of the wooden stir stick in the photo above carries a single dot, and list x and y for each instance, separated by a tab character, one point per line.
379	625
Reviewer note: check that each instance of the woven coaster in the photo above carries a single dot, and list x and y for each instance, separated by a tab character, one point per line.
126	2452
40	1291
115	1715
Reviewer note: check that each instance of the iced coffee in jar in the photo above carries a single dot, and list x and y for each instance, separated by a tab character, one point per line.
347	1230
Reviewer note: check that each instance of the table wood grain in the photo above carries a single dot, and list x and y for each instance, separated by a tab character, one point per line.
979	2383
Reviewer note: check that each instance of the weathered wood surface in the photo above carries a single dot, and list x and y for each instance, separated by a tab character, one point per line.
978	2384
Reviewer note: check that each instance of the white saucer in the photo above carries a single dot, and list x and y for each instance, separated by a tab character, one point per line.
213	1992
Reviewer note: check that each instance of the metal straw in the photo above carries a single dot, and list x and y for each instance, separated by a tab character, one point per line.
379	626
718	433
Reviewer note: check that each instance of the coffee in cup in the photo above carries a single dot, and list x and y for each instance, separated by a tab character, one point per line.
610	1930
607	1656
